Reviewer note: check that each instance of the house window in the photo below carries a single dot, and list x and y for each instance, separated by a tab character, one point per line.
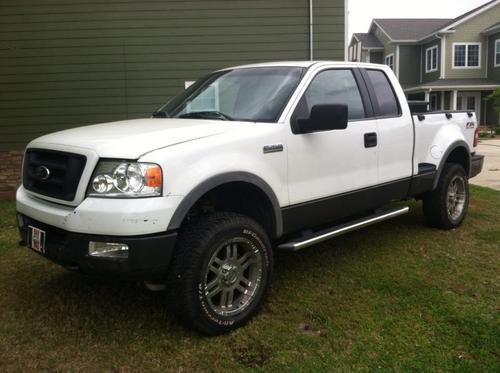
431	59
389	61
497	53
466	55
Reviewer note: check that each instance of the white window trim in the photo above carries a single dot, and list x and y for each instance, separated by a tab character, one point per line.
466	56
431	70
497	43
393	61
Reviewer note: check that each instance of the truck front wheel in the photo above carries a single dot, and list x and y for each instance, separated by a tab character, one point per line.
221	272
446	206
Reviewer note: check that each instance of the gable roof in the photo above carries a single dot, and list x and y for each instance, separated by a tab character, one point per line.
471	13
419	29
410	29
368	41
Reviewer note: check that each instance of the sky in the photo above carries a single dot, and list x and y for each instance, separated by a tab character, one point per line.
361	12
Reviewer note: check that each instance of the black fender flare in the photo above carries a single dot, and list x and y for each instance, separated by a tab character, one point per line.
196	193
455	145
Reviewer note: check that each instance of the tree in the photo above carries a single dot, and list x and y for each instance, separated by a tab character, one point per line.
495	97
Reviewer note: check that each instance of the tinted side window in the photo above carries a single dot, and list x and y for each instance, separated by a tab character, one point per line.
387	101
334	87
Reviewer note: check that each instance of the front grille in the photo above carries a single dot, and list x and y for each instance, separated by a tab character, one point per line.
52	173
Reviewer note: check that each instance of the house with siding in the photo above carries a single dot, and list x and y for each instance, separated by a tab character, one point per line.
69	63
453	64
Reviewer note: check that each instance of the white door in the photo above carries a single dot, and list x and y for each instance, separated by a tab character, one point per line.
395	131
324	164
470	101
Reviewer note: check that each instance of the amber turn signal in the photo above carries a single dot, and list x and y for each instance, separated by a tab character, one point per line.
153	177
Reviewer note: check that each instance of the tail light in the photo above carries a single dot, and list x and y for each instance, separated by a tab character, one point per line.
476	137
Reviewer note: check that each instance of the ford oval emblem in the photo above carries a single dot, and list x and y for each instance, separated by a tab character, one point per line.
42	172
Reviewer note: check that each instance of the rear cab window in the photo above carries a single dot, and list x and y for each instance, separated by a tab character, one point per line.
384	99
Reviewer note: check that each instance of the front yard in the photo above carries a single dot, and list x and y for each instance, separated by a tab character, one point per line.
396	296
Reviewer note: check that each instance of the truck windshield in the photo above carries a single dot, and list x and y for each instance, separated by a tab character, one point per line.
248	94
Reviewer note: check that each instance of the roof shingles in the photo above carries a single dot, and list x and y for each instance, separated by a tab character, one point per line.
415	29
368	40
410	29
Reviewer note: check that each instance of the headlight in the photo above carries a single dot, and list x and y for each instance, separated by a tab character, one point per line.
125	179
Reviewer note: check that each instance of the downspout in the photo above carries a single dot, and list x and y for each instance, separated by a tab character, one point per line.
311	25
346	27
442	56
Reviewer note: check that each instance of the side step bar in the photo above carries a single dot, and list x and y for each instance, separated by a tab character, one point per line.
326	234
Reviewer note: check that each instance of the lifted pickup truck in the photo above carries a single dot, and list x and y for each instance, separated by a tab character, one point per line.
248	160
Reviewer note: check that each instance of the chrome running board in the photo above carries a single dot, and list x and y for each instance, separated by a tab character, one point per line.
326	234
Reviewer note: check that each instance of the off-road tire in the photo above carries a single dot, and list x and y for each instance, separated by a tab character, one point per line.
438	203
196	266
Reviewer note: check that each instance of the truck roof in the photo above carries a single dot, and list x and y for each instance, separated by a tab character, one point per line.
305	64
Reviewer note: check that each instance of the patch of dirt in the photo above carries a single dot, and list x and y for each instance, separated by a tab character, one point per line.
306	329
254	355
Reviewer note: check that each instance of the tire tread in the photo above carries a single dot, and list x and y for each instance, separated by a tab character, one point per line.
193	240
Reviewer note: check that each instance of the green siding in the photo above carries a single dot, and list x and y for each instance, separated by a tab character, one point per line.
493	72
64	63
470	31
329	42
377	57
429	77
409	65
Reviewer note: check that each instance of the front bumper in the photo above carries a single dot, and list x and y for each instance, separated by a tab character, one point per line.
476	165
148	257
102	216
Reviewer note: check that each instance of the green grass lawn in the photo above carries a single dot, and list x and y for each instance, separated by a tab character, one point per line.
397	296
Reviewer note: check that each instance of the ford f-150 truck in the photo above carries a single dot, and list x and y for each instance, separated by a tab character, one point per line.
246	161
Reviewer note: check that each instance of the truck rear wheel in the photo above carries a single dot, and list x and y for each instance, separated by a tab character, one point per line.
446	206
221	273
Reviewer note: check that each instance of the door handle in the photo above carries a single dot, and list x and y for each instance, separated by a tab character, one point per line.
370	140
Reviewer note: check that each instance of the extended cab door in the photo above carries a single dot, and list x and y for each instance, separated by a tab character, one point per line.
394	129
323	165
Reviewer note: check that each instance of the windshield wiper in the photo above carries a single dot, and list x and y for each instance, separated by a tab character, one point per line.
206	115
159	114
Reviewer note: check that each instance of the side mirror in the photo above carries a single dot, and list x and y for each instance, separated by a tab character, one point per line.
323	118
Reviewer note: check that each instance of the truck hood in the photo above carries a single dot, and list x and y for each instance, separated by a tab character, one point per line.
131	139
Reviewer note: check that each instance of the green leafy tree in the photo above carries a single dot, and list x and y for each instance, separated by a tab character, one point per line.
495	97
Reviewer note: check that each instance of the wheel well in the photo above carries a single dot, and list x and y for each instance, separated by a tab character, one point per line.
461	156
239	197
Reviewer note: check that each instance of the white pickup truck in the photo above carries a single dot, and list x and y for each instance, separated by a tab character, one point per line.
247	160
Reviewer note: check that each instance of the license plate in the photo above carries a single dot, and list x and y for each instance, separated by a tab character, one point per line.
36	239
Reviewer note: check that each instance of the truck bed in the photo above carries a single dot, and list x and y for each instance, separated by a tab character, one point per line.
436	131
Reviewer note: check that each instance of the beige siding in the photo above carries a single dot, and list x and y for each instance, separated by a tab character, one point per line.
470	31
67	63
365	56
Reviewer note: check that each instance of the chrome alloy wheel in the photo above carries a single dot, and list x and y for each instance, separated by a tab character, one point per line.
455	197
233	276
